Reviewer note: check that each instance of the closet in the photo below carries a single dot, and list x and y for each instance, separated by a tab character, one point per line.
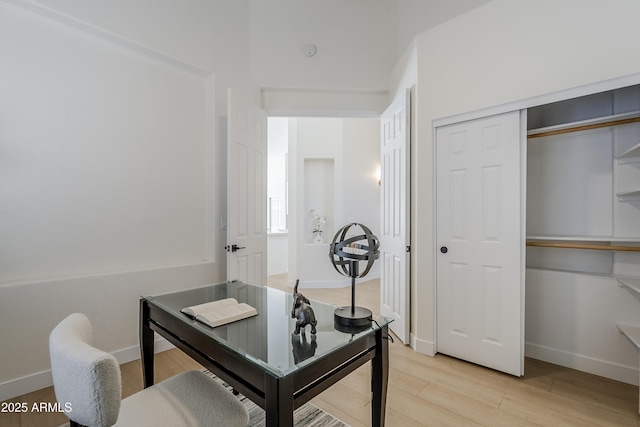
580	230
583	232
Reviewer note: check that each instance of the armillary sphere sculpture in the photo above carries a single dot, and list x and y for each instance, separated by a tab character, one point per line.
349	247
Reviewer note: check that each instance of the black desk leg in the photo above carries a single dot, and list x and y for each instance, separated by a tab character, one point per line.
146	345
379	378
278	402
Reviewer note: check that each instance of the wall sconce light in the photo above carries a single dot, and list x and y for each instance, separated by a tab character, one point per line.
378	175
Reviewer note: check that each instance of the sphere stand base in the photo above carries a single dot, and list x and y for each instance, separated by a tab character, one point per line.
352	317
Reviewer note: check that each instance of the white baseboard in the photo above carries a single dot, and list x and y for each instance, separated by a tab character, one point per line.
320	284
331	284
30	383
422	346
603	368
130	354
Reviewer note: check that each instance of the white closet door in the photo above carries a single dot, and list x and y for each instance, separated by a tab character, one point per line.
480	285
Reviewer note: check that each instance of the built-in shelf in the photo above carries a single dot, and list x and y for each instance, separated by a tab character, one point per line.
631	332
569	238
633	284
632	155
627	196
600	122
602	243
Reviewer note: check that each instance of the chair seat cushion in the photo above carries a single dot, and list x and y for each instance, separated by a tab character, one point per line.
188	399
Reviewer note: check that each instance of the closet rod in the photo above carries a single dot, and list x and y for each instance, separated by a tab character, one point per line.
585	127
584	246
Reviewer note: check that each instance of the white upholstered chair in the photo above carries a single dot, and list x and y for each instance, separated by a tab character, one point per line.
89	381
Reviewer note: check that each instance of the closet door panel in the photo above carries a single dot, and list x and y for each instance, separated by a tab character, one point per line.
479	233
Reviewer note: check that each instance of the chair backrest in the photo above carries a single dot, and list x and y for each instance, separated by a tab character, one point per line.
84	377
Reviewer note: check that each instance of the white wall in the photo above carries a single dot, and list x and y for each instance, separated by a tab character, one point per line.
105	185
207	37
417	16
361	151
503	52
87	183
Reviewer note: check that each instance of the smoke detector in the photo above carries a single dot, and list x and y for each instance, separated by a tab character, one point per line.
309	50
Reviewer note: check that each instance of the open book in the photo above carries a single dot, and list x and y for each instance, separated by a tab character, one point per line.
221	312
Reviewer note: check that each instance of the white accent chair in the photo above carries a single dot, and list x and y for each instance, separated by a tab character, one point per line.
89	381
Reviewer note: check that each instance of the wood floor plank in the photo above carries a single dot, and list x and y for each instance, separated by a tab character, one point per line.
463	385
131	378
600	397
396	419
42	415
423	411
356	417
472	407
10	416
547	414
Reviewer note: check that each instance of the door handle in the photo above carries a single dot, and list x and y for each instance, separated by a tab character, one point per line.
234	248
444	249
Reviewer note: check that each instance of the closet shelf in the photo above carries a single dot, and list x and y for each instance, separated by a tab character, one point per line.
600	122
631	332
627	196
632	155
592	244
633	284
572	238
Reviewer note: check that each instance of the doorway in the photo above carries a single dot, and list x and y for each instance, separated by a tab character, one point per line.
323	173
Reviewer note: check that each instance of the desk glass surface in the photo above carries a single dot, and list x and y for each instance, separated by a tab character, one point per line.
266	340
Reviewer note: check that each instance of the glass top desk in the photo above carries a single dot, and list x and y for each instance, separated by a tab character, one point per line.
260	356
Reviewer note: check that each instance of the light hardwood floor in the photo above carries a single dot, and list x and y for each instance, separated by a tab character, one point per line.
426	391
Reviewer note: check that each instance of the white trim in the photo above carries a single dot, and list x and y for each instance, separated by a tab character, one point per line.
334	284
311	102
130	354
435	250
562	95
210	186
33	382
523	232
603	368
57	279
85	27
422	346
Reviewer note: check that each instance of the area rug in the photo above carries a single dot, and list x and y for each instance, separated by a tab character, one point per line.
308	415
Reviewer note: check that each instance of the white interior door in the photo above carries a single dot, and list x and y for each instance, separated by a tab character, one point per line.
480	281
246	190
395	206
